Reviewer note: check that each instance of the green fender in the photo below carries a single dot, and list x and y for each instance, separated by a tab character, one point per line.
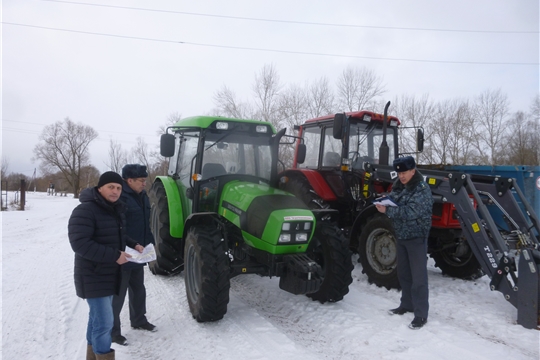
174	199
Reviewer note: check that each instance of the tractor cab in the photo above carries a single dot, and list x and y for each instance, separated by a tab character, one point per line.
346	141
205	158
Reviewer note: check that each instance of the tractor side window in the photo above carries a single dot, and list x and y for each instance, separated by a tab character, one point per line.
312	139
377	141
188	149
258	161
332	149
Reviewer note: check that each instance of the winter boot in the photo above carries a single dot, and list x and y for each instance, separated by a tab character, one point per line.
90	353
107	356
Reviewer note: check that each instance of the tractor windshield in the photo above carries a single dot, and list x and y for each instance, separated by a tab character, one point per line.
365	138
237	153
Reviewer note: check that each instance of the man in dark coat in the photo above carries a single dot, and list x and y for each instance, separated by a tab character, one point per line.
138	228
96	235
412	221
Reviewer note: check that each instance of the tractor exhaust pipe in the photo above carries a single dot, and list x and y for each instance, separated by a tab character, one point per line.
384	151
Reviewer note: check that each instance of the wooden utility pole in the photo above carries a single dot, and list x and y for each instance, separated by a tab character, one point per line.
23	194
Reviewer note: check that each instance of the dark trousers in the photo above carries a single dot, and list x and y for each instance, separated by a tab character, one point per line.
412	274
133	284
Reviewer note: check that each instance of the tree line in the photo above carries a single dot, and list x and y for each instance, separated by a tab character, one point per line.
478	131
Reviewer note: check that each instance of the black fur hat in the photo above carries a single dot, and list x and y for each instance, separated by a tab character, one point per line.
134	171
404	163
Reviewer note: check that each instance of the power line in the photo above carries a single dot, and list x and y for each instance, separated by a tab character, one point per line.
269	50
296	22
38	132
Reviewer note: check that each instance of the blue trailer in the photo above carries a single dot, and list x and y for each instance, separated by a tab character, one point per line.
528	178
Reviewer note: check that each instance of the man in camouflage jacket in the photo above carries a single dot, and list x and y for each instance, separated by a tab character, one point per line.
412	221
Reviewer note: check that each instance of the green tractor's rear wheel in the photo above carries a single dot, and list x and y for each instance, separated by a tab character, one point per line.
378	252
206	273
168	248
330	249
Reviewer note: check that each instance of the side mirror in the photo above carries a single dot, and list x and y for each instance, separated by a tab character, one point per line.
301	153
420	140
166	146
339	121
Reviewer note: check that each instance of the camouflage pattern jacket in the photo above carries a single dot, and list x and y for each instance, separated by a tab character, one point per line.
412	217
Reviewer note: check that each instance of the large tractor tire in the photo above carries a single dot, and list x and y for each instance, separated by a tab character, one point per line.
169	250
301	188
377	248
458	261
330	249
206	273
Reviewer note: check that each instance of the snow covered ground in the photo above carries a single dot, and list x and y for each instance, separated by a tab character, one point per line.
42	318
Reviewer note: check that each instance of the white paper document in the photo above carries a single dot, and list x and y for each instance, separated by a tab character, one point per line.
148	254
386	201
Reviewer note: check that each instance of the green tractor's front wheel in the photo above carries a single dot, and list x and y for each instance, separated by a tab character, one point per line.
206	273
330	249
168	248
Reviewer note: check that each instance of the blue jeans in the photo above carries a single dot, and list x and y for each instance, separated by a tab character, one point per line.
100	324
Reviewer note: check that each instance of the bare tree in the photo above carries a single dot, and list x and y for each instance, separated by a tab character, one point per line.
90	176
293	107
64	146
4	167
172	119
451	132
358	88
415	112
266	89
228	105
320	98
535	119
117	156
523	139
141	154
490	110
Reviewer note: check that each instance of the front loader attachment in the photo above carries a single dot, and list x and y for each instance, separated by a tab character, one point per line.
529	282
508	249
502	234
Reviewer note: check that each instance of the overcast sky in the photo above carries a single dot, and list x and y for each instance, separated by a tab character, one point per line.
123	67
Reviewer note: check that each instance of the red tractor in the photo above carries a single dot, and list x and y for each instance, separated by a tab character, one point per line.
480	224
342	151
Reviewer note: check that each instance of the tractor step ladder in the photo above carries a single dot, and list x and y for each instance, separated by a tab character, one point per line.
510	256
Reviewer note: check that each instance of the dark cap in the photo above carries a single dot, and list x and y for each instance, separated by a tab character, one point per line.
134	171
404	163
109	177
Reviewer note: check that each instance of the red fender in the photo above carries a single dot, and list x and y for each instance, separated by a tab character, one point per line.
318	184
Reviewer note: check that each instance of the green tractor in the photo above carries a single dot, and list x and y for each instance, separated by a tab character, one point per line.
219	213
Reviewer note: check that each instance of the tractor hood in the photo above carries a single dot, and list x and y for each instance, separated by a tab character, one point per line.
260	211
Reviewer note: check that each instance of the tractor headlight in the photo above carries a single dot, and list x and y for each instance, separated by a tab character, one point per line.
221	125
261	129
285	238
301	237
295	232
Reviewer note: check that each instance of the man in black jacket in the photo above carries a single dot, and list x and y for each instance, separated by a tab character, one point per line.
96	235
138	228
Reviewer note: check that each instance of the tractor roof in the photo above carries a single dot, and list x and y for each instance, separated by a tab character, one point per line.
205	122
358	115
